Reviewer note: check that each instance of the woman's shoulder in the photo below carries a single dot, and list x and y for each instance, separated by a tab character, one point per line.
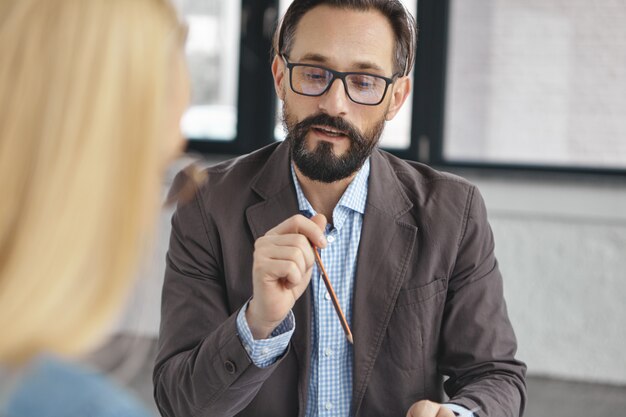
51	387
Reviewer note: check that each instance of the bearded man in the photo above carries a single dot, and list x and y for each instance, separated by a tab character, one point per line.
248	326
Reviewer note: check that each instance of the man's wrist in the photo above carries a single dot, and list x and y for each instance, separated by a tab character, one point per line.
260	329
265	352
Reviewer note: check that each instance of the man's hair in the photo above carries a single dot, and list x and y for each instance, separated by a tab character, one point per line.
403	24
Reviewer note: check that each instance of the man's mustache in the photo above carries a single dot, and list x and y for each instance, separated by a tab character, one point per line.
322	119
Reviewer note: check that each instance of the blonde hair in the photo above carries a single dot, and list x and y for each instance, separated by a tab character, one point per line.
84	85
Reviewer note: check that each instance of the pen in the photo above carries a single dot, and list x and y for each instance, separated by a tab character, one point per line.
333	297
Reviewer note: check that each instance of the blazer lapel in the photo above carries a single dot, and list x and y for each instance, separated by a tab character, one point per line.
278	197
384	253
274	185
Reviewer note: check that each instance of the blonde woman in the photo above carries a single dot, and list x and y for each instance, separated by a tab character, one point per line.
92	93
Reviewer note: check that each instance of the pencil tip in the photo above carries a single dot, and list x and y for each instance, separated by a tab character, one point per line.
349	336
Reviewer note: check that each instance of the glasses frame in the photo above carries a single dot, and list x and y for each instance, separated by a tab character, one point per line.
341	76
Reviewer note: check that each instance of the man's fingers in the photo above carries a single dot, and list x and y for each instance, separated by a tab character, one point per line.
283	261
445	412
320	220
427	408
280	270
292	246
301	225
294	254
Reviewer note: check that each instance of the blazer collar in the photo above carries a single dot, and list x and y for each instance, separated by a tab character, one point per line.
274	175
385	191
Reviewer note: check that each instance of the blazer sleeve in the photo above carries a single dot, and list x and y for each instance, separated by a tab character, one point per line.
477	343
202	368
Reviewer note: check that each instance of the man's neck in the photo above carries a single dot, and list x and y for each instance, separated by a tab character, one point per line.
323	196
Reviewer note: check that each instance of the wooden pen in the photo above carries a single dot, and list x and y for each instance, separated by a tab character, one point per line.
333	297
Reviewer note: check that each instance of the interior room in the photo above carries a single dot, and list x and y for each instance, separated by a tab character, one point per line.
524	98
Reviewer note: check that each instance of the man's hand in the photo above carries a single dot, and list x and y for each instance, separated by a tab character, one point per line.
427	408
283	262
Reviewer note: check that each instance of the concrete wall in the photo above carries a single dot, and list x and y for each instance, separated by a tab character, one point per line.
562	251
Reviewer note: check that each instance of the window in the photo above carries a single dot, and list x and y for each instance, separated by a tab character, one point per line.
213	55
530	84
539	83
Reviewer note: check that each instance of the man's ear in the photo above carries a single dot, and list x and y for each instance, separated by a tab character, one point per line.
278	72
400	91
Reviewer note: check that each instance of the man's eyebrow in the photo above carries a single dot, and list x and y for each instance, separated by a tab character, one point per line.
361	65
367	65
321	59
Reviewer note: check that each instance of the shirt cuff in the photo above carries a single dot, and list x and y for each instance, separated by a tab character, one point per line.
265	352
459	410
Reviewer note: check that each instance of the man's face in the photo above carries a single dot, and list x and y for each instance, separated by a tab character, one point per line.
330	135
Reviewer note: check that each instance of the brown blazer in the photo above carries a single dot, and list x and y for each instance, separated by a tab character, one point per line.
427	298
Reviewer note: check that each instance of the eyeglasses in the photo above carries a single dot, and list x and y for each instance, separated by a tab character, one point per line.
315	80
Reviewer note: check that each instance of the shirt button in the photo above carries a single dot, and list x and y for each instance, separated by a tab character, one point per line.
329	405
328	352
265	351
330	239
327	295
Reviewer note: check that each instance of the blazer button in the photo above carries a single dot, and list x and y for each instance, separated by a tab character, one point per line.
230	367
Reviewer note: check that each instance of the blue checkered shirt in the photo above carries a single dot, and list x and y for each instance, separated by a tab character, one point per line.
330	384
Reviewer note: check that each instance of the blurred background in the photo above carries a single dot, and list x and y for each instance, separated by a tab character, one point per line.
525	98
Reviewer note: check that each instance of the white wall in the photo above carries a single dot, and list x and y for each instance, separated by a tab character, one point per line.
562	251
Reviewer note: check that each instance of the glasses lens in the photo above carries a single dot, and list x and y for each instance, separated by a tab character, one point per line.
310	80
365	89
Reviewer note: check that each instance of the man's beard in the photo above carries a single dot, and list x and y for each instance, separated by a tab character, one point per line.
321	164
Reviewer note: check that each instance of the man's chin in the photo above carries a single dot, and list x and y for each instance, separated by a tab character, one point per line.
325	169
317	179
338	148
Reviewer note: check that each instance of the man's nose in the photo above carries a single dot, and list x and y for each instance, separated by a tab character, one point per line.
335	100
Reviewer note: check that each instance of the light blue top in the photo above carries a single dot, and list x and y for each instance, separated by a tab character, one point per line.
51	387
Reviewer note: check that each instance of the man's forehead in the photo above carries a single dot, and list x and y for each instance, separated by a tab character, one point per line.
358	64
358	39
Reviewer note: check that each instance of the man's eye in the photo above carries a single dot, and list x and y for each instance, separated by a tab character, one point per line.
363	83
313	76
